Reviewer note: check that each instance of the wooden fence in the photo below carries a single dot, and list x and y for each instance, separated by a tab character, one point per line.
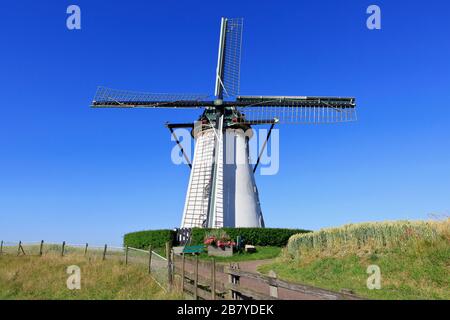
208	280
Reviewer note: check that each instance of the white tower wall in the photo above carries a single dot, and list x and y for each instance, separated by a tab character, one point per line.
247	207
237	200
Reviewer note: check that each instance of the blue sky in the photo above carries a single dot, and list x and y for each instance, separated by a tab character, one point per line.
69	172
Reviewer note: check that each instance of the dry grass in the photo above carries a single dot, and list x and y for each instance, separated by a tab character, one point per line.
32	277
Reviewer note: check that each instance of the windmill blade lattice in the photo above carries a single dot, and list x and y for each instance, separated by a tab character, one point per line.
106	97
232	56
300	110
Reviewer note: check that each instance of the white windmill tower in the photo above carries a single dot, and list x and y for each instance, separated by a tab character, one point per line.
222	190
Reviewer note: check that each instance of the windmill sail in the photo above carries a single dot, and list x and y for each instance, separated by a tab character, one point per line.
302	110
232	63
108	98
229	59
255	109
227	83
195	213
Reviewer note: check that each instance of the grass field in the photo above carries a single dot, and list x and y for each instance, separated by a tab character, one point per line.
415	268
33	277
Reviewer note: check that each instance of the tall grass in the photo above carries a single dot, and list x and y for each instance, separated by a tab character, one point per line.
34	277
373	234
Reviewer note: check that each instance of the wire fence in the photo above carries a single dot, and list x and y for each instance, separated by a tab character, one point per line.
155	264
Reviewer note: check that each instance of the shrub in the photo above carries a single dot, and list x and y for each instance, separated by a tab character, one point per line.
143	239
255	236
375	234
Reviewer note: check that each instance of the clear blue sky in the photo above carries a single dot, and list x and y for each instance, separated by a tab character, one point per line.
69	172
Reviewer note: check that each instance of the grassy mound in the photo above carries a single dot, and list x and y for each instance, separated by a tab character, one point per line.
414	259
32	277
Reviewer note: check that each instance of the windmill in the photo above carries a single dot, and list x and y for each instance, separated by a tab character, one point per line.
223	193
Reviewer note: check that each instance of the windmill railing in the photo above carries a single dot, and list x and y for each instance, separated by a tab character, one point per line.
183	236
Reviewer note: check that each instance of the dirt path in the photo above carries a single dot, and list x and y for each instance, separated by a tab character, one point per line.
252	265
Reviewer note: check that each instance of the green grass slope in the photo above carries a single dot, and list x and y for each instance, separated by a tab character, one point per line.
415	267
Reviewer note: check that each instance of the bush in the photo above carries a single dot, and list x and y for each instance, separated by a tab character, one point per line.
256	236
143	239
375	234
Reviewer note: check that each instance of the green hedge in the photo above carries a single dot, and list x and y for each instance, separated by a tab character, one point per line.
255	236
143	239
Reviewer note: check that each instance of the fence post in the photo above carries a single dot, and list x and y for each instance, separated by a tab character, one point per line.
1	247
169	263
273	289
232	279
126	256
41	248
172	264
85	249
196	278
182	272
150	259
104	252
20	248
62	249
213	279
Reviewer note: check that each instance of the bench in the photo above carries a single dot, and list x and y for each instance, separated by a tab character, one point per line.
194	249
